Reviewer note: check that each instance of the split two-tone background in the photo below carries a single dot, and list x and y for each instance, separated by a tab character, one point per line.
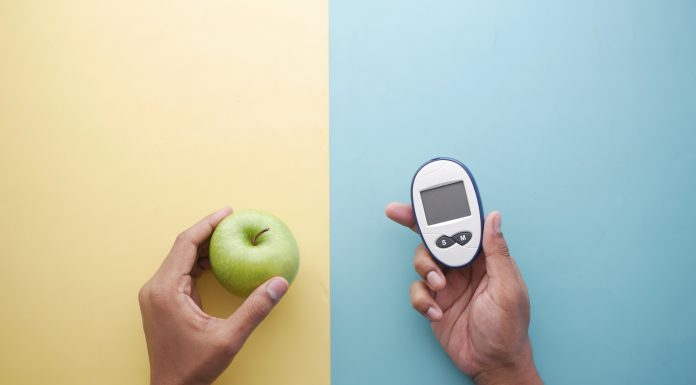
123	122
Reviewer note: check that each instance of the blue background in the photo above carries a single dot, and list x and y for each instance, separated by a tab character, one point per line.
578	120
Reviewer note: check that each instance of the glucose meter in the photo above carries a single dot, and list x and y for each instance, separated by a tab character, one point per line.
448	211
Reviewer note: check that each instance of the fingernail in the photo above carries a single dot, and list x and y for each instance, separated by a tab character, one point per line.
498	223
434	313
434	280
276	288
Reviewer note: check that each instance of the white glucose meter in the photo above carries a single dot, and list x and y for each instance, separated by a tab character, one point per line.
447	207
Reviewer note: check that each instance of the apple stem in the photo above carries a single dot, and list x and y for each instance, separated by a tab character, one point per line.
253	241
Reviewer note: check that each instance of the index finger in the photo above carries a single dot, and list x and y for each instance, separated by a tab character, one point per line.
185	250
402	214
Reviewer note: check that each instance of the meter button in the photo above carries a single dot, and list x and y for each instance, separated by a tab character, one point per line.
444	242
462	238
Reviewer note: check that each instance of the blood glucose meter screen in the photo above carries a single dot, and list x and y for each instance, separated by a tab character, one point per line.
445	203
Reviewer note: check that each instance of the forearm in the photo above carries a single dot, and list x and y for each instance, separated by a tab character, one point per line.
508	376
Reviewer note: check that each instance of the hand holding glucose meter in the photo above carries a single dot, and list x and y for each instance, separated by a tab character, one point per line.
448	211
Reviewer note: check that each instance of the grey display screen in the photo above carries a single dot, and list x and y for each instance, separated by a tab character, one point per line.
445	203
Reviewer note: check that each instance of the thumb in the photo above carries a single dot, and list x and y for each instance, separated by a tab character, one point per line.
499	264
255	309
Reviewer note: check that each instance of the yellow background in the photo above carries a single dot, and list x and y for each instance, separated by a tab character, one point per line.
121	124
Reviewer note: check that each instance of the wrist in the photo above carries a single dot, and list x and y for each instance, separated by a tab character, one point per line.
521	372
174	380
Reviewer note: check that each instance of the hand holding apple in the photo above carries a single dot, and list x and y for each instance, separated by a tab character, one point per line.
185	345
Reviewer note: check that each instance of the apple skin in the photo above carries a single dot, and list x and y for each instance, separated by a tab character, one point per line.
241	266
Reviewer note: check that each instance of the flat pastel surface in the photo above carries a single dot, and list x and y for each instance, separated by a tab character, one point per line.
123	123
578	121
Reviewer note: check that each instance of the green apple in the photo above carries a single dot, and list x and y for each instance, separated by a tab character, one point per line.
249	247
